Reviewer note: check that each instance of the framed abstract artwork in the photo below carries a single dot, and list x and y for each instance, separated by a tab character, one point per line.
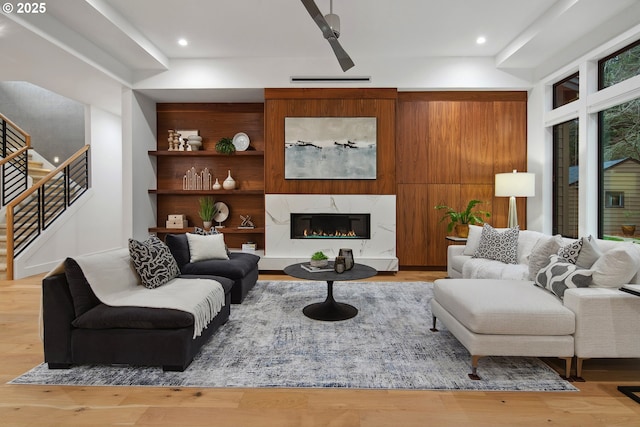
330	148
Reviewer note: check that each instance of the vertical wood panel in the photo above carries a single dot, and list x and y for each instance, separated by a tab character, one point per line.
443	125
412	142
478	134
412	236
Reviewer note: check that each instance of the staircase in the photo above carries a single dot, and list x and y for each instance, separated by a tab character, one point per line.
37	171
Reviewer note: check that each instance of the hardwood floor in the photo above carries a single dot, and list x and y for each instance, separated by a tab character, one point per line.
598	403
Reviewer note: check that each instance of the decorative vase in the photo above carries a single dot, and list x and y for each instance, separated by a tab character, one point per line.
195	141
216	185
229	183
347	254
339	265
207	224
462	230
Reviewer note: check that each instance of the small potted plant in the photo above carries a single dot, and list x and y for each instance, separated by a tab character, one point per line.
629	227
207	210
319	259
460	220
225	146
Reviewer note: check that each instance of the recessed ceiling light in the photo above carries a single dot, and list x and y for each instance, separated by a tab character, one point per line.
183	42
481	40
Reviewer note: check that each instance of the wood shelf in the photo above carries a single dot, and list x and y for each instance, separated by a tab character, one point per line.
203	153
225	230
206	192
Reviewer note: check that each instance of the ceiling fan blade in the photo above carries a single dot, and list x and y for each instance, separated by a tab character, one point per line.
318	17
343	58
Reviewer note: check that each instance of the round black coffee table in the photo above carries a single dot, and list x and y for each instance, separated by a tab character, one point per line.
330	310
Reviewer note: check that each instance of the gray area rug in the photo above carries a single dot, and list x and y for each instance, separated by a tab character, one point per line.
268	342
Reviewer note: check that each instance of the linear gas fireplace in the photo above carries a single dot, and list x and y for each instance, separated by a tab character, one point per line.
330	226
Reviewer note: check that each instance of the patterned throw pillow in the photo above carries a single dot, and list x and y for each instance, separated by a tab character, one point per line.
153	262
570	252
558	276
498	245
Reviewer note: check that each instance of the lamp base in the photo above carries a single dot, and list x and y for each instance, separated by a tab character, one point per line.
513	214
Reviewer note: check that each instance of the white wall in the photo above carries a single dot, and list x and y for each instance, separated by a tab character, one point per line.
95	222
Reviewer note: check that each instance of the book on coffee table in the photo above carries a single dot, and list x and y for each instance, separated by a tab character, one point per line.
632	289
312	269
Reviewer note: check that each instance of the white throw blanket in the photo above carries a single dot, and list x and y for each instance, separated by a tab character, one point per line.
115	282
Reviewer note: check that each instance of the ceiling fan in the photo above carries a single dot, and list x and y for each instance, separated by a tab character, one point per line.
330	27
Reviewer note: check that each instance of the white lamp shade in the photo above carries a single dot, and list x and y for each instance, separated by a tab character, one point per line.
518	184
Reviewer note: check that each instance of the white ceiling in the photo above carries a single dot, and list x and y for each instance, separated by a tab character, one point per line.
129	40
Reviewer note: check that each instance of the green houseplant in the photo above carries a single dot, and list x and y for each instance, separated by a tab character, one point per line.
319	259
225	146
207	210
460	220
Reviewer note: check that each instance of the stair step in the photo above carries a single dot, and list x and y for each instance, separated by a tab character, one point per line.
34	164
39	171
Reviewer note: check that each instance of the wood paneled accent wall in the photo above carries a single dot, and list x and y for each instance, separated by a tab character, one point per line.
281	103
449	146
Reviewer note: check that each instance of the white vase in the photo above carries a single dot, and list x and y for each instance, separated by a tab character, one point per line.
229	183
207	224
216	185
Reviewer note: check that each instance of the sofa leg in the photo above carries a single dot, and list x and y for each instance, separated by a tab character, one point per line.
434	329
58	365
579	361
567	367
474	368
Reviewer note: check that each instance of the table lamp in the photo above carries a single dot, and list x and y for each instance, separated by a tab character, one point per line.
514	185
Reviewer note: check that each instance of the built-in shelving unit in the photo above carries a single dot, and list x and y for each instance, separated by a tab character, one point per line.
213	121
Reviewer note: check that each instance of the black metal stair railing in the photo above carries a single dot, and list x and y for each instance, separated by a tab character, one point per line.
37	208
14	146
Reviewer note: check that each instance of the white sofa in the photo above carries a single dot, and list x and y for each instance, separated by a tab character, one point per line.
495	309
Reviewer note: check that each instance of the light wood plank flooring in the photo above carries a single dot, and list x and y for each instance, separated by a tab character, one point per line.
598	403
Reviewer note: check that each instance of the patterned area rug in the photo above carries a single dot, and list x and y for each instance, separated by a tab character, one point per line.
268	342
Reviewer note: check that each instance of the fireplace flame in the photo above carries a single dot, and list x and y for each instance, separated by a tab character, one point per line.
322	233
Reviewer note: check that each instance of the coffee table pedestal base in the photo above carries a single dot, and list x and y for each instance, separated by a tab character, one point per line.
330	310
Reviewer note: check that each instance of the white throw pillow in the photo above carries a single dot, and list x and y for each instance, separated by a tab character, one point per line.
473	240
206	247
617	266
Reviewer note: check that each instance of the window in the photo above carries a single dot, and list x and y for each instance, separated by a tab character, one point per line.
619	66
565	179
614	199
566	91
619	166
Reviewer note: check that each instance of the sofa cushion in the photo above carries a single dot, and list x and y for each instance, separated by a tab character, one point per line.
544	248
206	247
103	316
589	253
558	276
499	245
237	266
153	262
83	297
209	232
490	269
571	251
616	266
504	307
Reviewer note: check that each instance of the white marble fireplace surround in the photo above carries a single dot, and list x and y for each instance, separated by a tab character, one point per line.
281	250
